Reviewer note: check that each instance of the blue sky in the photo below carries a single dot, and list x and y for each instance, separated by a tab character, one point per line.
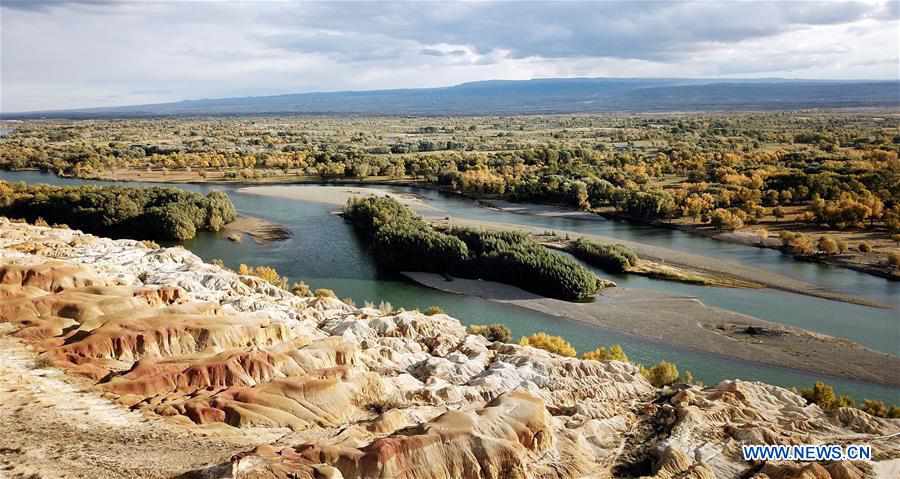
58	54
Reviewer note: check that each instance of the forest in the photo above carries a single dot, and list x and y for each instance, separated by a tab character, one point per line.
831	177
138	213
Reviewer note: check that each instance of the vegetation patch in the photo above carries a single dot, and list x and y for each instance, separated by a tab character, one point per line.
612	258
493	332
825	397
401	241
141	213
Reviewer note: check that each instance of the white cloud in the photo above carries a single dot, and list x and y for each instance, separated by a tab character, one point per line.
94	53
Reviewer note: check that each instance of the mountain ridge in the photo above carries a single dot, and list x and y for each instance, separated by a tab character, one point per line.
536	96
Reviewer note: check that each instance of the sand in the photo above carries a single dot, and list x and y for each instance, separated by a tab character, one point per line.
334	195
685	322
262	231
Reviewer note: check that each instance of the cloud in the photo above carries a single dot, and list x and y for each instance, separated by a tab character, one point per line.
90	53
632	30
45	5
434	52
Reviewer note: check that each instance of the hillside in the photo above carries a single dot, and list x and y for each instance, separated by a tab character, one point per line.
228	376
576	95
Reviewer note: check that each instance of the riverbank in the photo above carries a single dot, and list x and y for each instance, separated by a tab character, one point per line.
873	262
336	195
724	271
263	177
260	230
687	323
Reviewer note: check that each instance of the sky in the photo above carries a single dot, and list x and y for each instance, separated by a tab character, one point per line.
83	53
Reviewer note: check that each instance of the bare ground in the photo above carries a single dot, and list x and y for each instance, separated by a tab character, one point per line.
334	195
53	427
262	231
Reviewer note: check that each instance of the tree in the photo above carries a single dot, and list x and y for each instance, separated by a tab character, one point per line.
827	245
170	222
723	219
662	374
797	243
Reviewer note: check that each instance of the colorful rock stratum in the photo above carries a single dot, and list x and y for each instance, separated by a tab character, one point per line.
123	360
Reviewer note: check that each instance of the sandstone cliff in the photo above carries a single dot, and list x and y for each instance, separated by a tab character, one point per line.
330	390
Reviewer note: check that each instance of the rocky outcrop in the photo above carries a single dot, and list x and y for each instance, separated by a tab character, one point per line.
359	393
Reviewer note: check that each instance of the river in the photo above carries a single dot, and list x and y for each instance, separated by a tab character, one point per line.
325	253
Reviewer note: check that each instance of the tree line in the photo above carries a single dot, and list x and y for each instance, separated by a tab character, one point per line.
140	213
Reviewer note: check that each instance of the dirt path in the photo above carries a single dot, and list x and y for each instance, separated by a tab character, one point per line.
50	427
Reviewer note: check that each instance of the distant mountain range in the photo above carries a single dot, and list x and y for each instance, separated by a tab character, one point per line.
573	95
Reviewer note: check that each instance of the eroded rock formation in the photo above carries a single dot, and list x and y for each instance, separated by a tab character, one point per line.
363	394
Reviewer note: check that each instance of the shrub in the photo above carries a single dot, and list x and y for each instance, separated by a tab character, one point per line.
893	259
824	395
324	293
864	247
842	246
662	374
493	332
875	408
613	258
614	353
686	377
385	307
554	344
432	310
301	289
267	273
